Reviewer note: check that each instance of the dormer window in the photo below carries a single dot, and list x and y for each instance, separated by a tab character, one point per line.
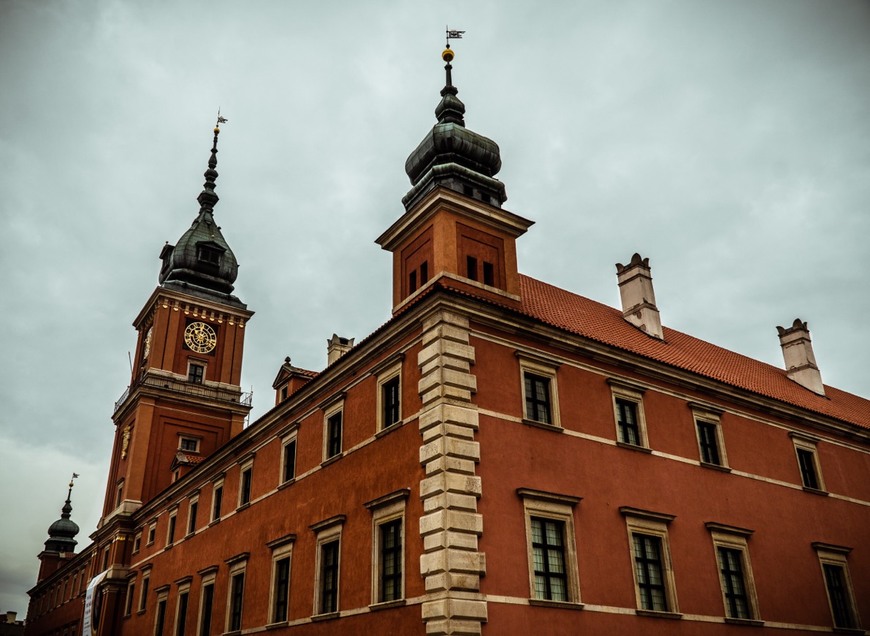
208	255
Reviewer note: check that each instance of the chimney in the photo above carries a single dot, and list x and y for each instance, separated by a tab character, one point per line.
800	363
11	617
638	299
337	347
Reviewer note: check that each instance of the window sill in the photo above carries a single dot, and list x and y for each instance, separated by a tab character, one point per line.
389	429
169	546
214	522
639	449
331	460
719	467
243	506
234	632
849	630
400	602
278	625
324	617
543	425
749	622
657	614
542	602
816	491
285	484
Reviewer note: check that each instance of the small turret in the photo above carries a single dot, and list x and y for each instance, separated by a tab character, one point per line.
61	534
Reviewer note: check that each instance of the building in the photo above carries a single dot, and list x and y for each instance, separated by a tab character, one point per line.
501	457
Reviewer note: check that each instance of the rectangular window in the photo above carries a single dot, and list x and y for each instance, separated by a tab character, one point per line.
329	554
733	582
412	282
143	595
152	530
390	570
188	444
552	555
807	464
707	440
237	592
206	607
471	267
424	272
181	617
333	435
651	560
245	477
191	516
391	402
488	274
160	618
282	589
288	459
119	494
548	550
128	602
216	500
648	569
628	413
838	584
170	530
195	373
137	542
626	421
537	389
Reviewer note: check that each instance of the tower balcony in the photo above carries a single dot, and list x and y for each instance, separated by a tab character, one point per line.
161	382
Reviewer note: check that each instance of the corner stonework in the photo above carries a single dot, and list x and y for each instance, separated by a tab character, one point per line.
451	564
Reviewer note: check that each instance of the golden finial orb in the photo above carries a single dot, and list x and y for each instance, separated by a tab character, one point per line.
447	55
216	130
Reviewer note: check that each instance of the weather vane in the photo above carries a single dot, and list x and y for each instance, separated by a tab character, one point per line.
220	119
452	34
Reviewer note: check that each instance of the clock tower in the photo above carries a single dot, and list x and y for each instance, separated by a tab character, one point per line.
184	399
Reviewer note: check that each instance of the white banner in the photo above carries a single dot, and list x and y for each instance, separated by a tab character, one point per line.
91	617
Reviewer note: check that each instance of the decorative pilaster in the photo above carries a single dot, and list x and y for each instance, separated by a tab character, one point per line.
451	563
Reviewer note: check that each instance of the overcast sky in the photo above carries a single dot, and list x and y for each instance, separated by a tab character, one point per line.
729	142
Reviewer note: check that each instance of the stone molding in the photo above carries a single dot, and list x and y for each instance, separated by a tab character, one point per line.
451	564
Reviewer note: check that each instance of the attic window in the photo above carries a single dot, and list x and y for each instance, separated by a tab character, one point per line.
488	274
208	254
471	265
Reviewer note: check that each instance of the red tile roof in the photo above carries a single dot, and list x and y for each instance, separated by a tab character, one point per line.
598	322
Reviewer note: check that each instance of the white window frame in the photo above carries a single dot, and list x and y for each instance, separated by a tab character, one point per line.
384	376
385	510
547	505
190	438
162	597
183	588
172	526
735	538
810	444
281	549
216	485
622	390
247	465
837	555
143	590
191	518
128	600
327	531
709	415
653	524
199	363
237	565
208	577
290	438
137	541
545	368
332	409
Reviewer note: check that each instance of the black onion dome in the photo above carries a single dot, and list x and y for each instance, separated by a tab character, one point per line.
202	261
453	156
61	534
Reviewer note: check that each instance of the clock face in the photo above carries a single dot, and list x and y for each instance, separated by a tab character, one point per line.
200	337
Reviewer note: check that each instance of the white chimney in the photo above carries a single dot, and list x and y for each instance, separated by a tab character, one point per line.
337	347
11	617
638	299
800	363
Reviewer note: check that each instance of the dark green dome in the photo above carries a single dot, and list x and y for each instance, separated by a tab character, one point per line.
61	534
201	262
453	156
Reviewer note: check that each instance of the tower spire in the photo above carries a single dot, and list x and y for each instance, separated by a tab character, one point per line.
61	534
208	198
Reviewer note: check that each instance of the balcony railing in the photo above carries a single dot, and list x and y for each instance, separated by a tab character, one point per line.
218	394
